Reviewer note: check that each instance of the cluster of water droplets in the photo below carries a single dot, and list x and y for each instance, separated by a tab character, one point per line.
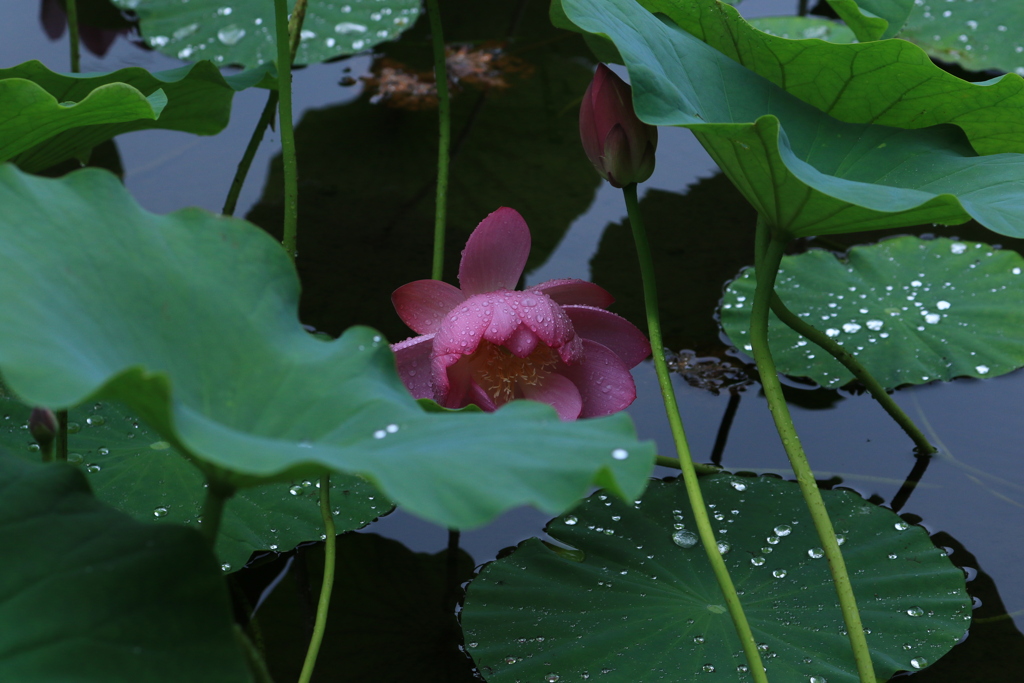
960	27
234	34
918	310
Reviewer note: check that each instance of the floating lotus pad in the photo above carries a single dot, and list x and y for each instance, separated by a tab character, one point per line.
242	33
90	595
644	605
191	320
977	34
135	471
911	310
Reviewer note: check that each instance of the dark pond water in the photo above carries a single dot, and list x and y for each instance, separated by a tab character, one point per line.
366	208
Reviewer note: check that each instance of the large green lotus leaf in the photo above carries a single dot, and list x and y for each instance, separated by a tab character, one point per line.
977	34
46	130
873	19
889	82
30	115
911	310
88	594
190	320
805	172
642	604
137	472
242	33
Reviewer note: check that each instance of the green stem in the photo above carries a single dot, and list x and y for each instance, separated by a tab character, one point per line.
217	494
833	348
699	468
290	166
250	153
325	591
768	257
62	436
444	111
267	117
253	657
295	28
700	512
72	12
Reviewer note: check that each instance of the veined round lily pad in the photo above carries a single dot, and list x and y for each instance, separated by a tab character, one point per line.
242	33
643	604
911	310
133	469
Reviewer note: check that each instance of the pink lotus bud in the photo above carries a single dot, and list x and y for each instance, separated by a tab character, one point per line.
42	425
620	145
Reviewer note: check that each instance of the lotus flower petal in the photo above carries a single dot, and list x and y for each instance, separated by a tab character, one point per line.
610	330
414	366
575	291
495	254
603	380
557	391
423	304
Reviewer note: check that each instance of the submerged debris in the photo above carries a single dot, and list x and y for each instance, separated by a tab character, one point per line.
708	372
485	66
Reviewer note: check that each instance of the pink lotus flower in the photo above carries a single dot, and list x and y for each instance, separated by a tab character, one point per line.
618	144
486	344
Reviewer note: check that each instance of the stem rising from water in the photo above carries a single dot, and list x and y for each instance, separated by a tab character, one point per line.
668	395
768	256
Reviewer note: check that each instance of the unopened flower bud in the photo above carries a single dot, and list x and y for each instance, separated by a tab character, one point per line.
619	144
42	424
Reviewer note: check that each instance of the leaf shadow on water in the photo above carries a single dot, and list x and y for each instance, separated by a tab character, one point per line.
392	615
367	175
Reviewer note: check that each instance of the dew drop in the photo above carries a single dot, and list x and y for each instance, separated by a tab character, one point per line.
92	468
620	454
915	611
684	538
783	530
779	573
981	369
919	662
571	520
160	512
739	486
815	553
230	35
379	434
901	526
757	561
